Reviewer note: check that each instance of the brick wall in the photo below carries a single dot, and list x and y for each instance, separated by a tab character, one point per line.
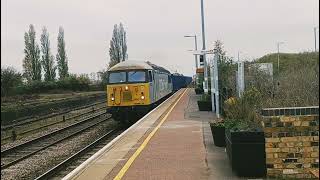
292	141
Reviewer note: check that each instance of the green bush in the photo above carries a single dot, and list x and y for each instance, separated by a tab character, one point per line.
12	84
237	125
71	83
217	123
9	79
241	113
205	97
296	84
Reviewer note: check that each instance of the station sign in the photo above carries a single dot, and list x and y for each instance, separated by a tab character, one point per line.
200	70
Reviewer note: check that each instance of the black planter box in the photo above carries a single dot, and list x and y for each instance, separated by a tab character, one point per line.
218	134
205	105
246	152
199	90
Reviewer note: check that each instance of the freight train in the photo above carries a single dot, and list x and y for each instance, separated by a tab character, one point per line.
135	87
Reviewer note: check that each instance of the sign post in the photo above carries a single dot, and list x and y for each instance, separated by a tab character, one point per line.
214	80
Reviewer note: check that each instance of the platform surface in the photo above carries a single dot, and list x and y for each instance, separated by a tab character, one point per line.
181	147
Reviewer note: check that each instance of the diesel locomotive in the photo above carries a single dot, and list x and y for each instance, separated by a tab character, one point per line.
135	87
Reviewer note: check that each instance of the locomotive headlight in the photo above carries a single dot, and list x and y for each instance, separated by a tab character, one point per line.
126	87
142	97
112	98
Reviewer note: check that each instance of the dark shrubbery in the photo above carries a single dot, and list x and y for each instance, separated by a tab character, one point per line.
71	83
295	84
11	84
241	113
10	78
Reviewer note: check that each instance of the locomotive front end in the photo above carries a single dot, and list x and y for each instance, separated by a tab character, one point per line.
128	93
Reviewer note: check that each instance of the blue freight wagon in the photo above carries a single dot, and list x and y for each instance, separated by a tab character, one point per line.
188	80
179	81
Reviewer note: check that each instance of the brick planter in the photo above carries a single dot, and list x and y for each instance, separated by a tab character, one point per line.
246	153
292	141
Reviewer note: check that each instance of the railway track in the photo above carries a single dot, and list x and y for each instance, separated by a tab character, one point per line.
20	124
32	119
66	166
23	151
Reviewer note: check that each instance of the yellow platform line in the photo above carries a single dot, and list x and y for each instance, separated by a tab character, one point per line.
145	142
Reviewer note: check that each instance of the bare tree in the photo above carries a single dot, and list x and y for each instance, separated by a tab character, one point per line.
218	48
31	61
62	56
118	45
47	58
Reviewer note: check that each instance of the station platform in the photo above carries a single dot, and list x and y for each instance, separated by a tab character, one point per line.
172	142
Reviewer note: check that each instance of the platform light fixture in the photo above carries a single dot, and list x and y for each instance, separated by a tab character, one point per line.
195	47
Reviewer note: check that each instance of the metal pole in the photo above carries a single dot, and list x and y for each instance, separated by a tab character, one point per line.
213	90
196	48
216	84
315	39
203	48
241	77
238	74
278	57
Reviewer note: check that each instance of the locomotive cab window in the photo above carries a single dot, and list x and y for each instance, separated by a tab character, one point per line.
150	76
117	77
136	76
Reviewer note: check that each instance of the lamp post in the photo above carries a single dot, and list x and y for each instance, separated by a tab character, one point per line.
195	47
203	48
315	38
278	45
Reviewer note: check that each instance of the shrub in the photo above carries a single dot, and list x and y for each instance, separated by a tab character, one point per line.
295	84
12	84
9	79
241	113
84	82
72	83
217	123
205	97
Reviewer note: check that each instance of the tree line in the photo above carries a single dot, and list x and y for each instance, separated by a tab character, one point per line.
41	67
36	59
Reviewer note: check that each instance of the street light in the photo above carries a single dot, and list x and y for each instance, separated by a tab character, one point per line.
315	38
195	47
203	48
278	45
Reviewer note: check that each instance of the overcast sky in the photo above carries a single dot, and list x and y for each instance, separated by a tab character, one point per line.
155	28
